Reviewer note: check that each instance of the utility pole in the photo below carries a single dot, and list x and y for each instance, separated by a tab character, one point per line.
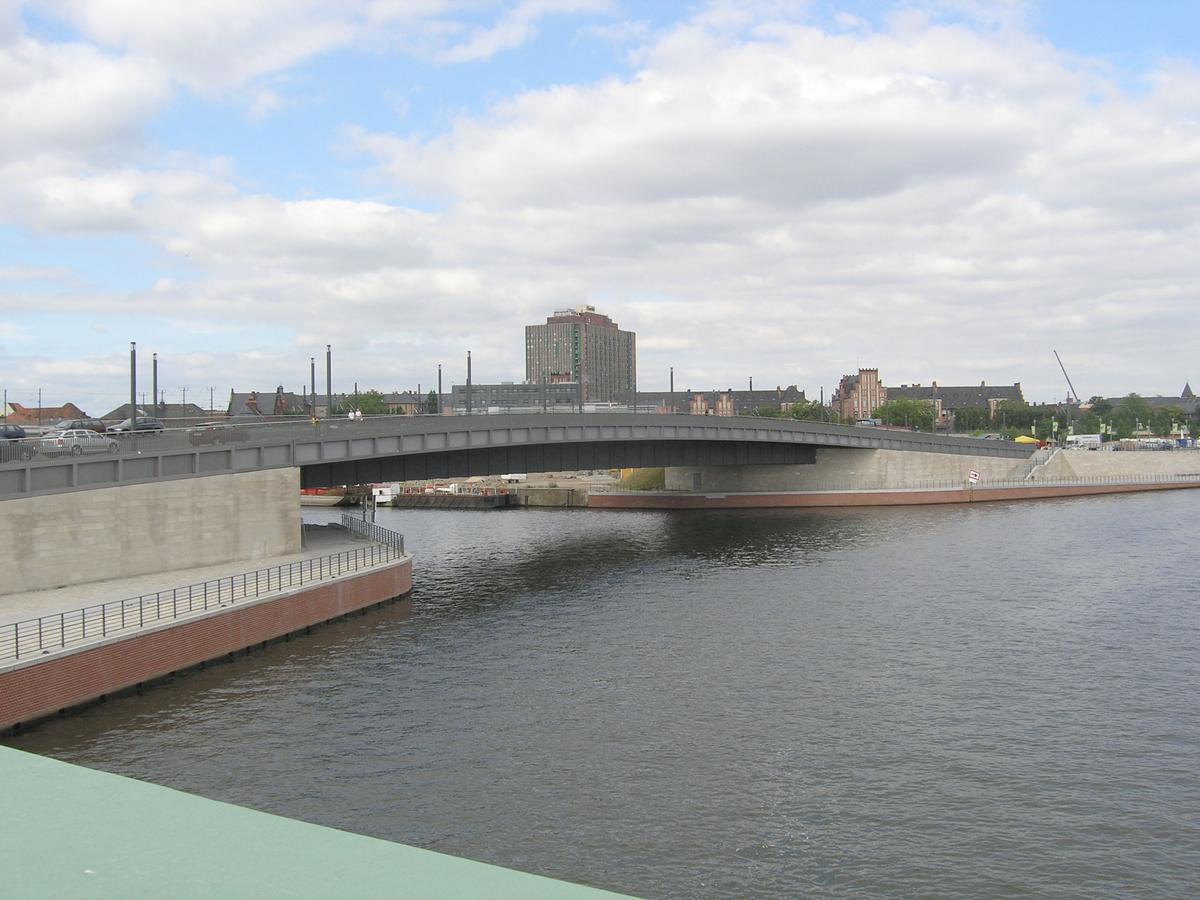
439	396
672	389
210	401
328	381
133	387
39	406
312	369
468	382
154	395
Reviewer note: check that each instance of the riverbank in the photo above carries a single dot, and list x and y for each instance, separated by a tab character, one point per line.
884	497
61	649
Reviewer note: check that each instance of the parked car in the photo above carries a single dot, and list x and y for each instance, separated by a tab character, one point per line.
15	444
144	424
76	442
90	424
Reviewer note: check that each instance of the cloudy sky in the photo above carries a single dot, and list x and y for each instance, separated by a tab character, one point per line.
785	190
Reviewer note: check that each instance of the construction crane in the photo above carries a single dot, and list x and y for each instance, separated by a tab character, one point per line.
1072	397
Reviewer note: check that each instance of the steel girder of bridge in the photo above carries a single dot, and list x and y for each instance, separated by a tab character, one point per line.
404	448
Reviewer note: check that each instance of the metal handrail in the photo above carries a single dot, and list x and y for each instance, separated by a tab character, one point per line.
372	532
35	637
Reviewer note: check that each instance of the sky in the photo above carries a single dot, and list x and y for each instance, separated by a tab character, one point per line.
945	190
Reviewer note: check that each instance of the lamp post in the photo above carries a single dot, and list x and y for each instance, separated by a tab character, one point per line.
468	382
328	381
133	391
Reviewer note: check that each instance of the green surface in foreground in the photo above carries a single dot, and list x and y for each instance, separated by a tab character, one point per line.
66	831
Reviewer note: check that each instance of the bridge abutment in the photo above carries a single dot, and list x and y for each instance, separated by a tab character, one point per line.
71	538
839	468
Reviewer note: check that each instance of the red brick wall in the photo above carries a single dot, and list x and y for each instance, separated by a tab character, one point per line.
65	680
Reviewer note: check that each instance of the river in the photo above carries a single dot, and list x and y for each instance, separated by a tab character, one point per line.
967	701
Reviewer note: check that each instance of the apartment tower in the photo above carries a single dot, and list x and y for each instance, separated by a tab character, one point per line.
583	346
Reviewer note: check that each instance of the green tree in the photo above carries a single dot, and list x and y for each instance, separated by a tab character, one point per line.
916	414
371	403
1131	412
1163	421
768	412
431	402
1089	424
1100	406
970	418
812	411
1012	414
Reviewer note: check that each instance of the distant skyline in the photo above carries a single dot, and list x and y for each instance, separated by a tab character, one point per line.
944	190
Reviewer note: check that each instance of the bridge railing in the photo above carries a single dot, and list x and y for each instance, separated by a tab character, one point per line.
31	638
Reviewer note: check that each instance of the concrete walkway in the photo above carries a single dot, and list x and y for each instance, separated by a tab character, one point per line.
319	541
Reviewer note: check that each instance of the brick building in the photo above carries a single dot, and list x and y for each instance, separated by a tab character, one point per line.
858	396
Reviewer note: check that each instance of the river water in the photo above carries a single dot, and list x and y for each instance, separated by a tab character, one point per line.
995	700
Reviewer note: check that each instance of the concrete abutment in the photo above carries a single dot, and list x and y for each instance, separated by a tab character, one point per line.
87	536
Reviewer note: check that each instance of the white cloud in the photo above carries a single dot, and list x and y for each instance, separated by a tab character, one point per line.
762	198
72	100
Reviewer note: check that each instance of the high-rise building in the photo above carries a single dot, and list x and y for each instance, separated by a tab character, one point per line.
584	346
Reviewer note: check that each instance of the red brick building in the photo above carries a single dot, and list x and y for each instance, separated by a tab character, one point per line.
858	396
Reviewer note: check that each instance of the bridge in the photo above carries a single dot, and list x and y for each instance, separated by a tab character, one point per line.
406	448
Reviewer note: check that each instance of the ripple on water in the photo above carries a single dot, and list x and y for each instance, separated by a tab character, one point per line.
956	702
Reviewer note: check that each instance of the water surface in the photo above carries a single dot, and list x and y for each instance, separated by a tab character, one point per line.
996	700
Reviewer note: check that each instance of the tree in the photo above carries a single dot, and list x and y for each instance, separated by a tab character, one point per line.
431	402
970	418
1100	406
917	414
1012	414
1131	412
812	411
371	403
1163	421
767	412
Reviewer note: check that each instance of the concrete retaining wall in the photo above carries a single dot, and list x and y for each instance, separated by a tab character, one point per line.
60	539
1120	464
846	469
43	687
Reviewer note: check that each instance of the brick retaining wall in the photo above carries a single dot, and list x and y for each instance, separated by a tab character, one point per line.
41	688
